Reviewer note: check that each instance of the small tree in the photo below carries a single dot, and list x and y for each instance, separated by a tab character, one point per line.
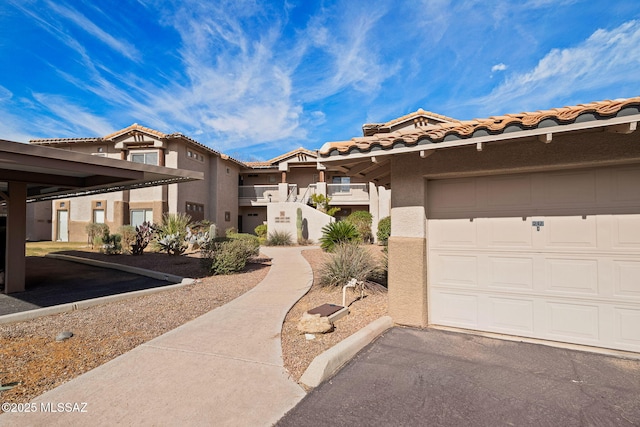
361	220
321	202
95	231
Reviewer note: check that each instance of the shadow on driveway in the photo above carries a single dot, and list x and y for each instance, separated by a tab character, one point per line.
412	377
51	282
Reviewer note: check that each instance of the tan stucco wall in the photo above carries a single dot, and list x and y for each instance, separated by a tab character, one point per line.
407	281
226	194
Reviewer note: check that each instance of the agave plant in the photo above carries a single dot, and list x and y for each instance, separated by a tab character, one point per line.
338	232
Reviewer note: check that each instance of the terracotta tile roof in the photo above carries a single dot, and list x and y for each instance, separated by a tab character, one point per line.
273	162
489	126
369	129
46	141
419	113
136	126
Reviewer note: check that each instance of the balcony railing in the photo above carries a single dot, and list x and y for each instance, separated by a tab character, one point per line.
258	193
346	193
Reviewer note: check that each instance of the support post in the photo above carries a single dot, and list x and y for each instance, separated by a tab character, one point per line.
14	279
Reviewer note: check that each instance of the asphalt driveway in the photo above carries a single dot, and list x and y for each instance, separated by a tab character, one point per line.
411	377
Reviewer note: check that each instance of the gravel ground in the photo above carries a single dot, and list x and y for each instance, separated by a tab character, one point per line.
30	355
297	351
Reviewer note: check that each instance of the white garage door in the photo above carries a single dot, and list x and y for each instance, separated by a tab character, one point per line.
546	255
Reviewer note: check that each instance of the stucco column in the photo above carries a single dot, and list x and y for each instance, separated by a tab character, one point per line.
161	154
374	210
321	177
283	191
14	276
408	245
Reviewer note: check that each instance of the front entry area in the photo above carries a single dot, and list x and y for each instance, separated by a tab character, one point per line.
548	255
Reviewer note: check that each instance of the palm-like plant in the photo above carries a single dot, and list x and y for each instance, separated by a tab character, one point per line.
338	232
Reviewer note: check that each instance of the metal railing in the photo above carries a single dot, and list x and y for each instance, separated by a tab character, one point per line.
348	192
267	193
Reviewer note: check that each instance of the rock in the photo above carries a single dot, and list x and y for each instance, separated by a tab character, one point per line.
64	336
309	337
314	324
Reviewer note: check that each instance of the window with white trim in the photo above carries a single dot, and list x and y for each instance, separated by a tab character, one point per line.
138	216
148	158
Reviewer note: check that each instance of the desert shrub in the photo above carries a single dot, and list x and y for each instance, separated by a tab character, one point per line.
338	232
361	220
261	230
384	230
110	244
172	233
128	233
144	233
95	231
228	255
349	260
280	238
252	241
230	230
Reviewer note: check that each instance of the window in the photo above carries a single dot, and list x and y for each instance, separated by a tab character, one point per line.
146	158
98	216
345	180
138	216
195	155
227	216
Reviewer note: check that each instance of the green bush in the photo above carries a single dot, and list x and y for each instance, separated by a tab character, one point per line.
384	230
95	231
228	255
128	233
171	234
361	220
338	232
280	238
111	244
349	260
261	230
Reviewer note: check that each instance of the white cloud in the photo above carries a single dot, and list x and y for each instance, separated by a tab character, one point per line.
606	59
72	116
123	47
5	94
498	67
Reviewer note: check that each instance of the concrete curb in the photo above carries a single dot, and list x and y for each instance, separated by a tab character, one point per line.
126	268
328	363
63	308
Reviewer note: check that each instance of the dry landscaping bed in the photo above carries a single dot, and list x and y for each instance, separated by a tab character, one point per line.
30	355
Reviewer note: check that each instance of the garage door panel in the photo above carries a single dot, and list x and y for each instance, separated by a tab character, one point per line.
508	232
627	330
454	195
453	233
627	279
571	276
511	315
569	189
570	232
455	309
626	231
510	273
573	321
624	186
509	192
456	270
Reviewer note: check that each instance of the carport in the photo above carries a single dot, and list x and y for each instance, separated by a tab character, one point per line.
525	224
31	173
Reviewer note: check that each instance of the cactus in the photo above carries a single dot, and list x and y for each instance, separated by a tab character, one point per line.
299	224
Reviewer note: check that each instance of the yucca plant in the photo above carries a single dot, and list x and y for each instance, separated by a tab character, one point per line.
338	232
348	261
280	238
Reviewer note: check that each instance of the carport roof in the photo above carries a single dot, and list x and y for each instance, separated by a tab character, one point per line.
508	126
52	173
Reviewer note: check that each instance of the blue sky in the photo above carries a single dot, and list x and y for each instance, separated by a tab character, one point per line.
254	79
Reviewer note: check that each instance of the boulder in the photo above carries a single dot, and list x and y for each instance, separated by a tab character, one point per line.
314	324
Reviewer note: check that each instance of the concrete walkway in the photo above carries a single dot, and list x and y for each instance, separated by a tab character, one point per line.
223	368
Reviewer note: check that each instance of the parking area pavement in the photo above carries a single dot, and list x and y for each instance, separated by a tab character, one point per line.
51	282
411	377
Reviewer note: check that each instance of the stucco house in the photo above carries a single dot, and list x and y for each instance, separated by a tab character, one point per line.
523	225
232	194
212	198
